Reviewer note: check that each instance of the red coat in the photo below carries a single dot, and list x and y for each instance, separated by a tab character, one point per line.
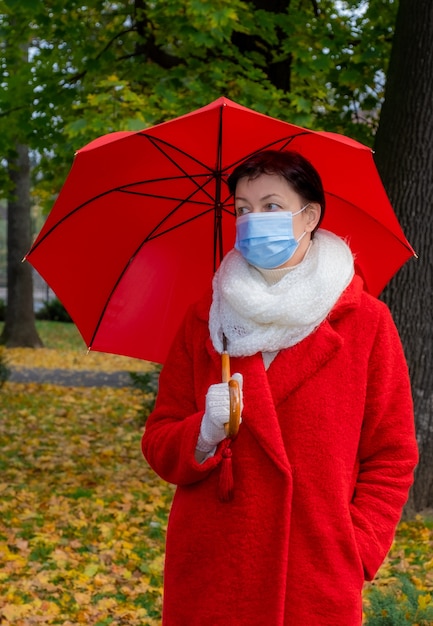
322	466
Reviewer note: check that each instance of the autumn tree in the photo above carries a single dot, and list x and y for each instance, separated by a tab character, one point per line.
144	63
34	103
19	328
405	160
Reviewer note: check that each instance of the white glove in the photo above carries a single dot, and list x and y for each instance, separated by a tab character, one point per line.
217	413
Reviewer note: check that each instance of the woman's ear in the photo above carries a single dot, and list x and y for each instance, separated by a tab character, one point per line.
313	212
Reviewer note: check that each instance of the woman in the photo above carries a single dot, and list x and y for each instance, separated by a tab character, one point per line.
325	453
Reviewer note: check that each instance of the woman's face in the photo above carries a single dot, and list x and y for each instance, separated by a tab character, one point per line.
271	192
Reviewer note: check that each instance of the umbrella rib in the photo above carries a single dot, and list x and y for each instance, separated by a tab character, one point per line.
130	260
160	180
152	236
154	141
287	140
218	233
123	189
159	197
176	208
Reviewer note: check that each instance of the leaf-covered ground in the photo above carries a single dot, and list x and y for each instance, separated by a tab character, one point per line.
74	359
83	518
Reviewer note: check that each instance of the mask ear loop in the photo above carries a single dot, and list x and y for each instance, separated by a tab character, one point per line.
301	237
297	213
300	210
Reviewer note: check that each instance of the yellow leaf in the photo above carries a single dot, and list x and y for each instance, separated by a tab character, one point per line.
91	570
417	582
13	612
424	601
105	604
82	598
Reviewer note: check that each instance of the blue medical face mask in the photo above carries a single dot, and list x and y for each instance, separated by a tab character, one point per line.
266	240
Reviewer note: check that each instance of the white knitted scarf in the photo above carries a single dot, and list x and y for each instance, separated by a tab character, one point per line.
259	317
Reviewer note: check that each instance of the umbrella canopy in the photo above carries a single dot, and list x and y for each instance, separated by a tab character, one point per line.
144	218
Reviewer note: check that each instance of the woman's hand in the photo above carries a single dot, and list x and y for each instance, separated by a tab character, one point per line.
217	413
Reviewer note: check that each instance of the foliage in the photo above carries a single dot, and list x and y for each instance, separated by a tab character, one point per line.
403	605
54	311
100	67
403	590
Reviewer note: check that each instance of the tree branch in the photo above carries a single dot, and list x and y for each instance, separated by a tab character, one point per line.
79	75
316	9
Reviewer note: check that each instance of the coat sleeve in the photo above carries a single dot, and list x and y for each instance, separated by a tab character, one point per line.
172	430
388	450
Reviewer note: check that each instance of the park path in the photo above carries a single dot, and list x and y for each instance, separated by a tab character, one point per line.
69	378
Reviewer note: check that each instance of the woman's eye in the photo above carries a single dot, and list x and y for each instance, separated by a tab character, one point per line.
271	206
241	210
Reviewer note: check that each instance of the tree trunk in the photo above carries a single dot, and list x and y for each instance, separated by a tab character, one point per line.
404	157
19	329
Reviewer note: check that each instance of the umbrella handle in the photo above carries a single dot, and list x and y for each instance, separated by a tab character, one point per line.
232	426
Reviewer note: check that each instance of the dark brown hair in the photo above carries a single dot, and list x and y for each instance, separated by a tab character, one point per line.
301	175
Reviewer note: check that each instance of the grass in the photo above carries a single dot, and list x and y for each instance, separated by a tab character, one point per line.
60	336
83	518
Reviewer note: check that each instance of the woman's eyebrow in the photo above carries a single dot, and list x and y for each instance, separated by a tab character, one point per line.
269	195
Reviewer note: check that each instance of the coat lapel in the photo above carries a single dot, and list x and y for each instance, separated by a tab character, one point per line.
260	415
293	366
264	390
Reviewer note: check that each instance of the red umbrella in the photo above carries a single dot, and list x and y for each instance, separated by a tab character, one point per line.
145	217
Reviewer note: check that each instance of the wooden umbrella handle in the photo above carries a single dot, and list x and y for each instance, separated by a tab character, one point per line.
232	426
225	364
